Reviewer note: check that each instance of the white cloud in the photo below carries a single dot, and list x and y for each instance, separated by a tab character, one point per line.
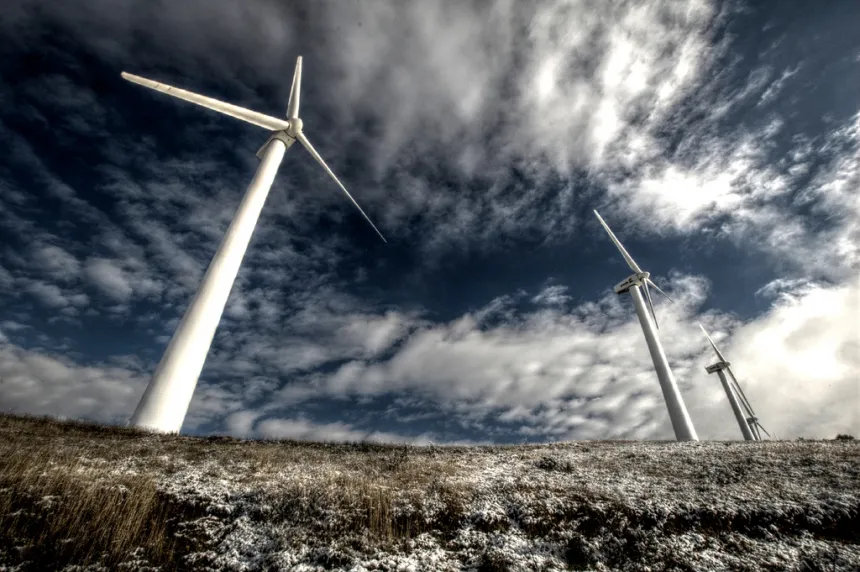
583	88
41	383
785	287
6	278
777	86
109	278
736	182
241	423
799	363
552	296
576	375
53	296
304	430
592	377
48	294
545	356
56	262
372	334
211	402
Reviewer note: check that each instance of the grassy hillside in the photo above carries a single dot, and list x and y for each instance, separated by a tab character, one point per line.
86	497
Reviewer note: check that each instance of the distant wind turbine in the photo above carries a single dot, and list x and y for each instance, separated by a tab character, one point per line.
744	413
168	395
681	422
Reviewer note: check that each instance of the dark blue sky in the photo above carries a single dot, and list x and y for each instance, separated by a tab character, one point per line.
719	140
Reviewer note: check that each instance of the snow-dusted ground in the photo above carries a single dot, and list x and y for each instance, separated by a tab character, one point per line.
595	505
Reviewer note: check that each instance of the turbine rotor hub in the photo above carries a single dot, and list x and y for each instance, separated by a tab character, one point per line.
295	126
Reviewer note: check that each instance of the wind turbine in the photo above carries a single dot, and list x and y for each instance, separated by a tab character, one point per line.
681	422
744	413
168	395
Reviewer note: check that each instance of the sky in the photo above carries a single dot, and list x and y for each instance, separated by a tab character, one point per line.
719	140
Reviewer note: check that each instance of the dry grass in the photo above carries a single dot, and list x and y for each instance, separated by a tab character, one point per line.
77	493
55	508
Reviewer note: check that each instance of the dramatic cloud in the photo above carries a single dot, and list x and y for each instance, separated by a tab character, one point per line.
802	360
56	262
303	430
40	383
720	140
569	374
552	296
110	279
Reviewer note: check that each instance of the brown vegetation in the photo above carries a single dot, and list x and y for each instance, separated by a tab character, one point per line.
78	493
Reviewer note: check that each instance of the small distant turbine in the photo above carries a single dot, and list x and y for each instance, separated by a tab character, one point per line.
168	395
744	413
681	422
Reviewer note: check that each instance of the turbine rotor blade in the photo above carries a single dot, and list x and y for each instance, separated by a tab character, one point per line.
307	145
259	119
651	282
629	259
650	303
713	345
293	105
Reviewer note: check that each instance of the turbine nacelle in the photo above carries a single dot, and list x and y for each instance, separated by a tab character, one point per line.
720	365
628	283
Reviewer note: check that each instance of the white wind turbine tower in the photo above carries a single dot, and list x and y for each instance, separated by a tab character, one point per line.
744	413
681	422
168	395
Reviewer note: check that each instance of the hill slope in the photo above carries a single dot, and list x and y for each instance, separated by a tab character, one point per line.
109	498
